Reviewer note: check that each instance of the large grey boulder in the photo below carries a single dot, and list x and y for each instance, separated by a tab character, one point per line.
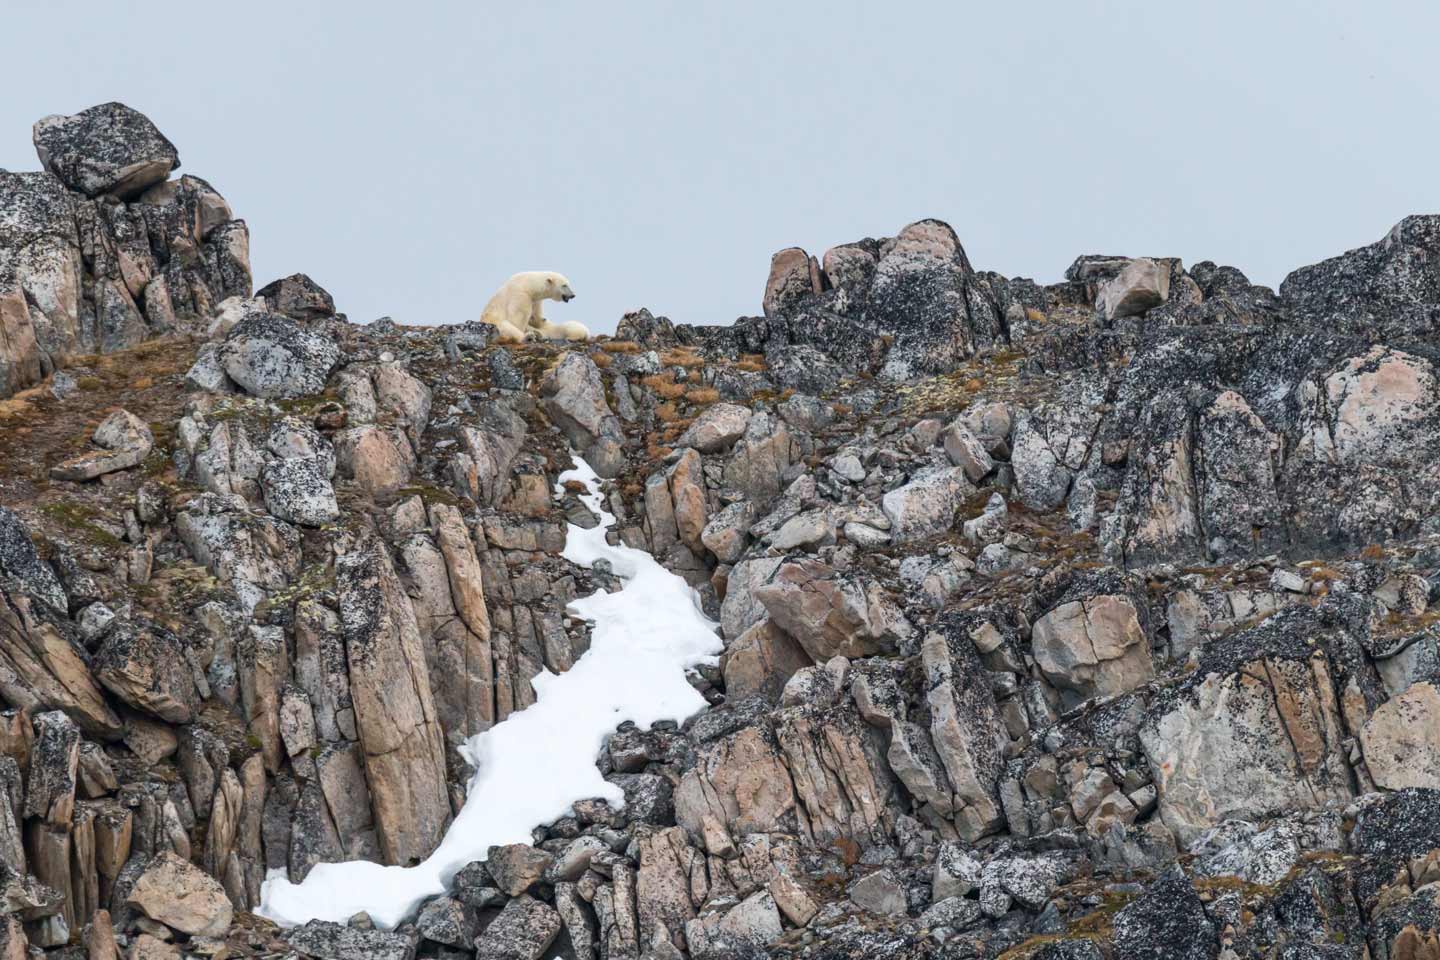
107	149
336	941
297	297
298	491
21	564
274	357
524	930
926	505
717	428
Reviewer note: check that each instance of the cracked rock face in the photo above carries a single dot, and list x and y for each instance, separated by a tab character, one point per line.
1093	647
1084	620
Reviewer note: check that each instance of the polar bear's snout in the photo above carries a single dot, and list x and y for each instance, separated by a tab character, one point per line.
567	296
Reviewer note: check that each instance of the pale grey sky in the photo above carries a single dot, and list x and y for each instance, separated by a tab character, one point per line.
410	157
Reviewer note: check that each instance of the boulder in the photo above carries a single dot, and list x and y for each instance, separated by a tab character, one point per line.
760	661
794	276
926	505
524	930
144	665
107	149
20	564
746	928
274	357
967	451
831	614
928	298
124	441
717	428
1143	283
1093	647
1168	922
297	490
394	708
378	460
336	941
297	297
1401	740
1200	739
516	867
574	397
879	892
180	895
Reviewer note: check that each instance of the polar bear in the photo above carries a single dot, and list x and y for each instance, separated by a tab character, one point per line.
515	309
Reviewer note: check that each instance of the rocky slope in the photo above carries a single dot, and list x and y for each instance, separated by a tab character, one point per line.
1072	621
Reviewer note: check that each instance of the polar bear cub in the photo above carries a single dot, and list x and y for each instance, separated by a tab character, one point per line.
515	309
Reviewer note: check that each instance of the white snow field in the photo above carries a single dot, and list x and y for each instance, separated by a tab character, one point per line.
533	766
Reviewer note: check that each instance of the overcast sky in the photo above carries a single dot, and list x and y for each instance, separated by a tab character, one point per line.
410	157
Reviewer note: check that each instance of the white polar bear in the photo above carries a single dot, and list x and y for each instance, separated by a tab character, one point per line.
515	309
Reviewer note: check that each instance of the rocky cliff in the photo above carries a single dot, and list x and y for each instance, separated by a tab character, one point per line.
1089	620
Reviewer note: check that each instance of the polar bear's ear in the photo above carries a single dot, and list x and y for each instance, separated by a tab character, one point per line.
549	281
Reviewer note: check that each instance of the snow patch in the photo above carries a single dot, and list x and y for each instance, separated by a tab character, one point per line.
534	766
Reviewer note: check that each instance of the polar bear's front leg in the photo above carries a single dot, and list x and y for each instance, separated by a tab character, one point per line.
509	333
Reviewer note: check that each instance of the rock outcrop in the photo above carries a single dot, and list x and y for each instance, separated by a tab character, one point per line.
1092	619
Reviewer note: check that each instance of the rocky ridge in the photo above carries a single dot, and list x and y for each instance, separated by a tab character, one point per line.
1092	619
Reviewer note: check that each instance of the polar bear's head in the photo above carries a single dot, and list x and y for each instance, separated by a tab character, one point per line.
553	286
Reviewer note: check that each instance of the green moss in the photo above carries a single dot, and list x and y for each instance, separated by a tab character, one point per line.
428	493
78	518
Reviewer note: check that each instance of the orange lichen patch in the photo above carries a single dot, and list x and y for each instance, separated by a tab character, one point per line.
750	363
702	395
663	385
682	357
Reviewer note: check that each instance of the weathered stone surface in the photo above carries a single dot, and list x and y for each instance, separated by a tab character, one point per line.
378	460
717	428
725	532
394	709
297	297
274	357
522	931
177	894
516	867
831	614
794	276
125	441
20	564
879	892
39	668
336	941
761	660
107	149
1251	733
1094	647
1401	739
926	505
751	924
574	396
145	666
1142	284
297	490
